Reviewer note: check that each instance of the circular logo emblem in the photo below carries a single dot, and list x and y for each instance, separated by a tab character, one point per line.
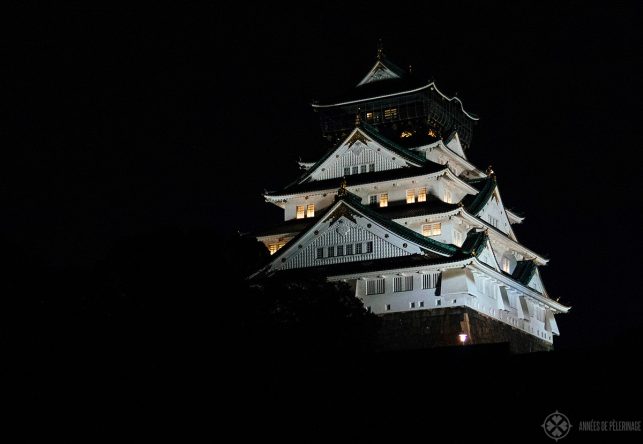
556	425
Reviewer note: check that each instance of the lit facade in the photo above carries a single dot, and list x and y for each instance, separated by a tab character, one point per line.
397	210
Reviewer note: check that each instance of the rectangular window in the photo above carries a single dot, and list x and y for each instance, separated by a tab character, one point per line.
410	196
421	304
369	247
300	211
331	251
372	199
355	169
349	249
384	200
388	307
358	248
320	253
430	280
375	286
310	210
371	168
438	302
432	229
422	195
369	116
403	283
362	169
412	305
340	250
447	197
390	113
347	171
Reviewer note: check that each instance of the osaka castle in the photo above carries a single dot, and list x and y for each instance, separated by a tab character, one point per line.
422	236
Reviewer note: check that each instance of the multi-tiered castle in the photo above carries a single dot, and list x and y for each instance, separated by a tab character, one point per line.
421	234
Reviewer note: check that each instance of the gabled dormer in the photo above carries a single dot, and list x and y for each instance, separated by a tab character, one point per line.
363	151
487	205
477	244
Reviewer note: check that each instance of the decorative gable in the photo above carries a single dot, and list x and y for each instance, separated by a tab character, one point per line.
346	234
536	282
358	154
379	72
494	213
487	256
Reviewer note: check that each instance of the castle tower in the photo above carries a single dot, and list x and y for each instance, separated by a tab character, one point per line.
397	210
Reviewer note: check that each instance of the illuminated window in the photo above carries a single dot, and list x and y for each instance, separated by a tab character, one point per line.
506	265
349	249
300	211
369	247
447	197
432	133
273	248
375	286
320	253
432	229
371	167
355	169
358	248
422	195
410	196
406	134
390	113
310	210
340	250
372	199
384	200
369	116
362	169
347	171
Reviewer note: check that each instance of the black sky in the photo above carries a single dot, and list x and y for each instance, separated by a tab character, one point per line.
125	122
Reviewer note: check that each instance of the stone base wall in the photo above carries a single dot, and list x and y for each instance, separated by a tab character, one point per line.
422	329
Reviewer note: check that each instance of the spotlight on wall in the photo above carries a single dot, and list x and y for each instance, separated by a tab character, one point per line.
463	338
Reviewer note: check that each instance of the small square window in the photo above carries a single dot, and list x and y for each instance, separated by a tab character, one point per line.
388	307
421	303
412	304
438	302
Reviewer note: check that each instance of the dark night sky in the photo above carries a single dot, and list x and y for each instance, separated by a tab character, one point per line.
125	122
